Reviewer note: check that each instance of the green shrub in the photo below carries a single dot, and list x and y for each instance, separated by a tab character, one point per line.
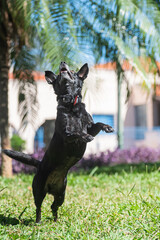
17	143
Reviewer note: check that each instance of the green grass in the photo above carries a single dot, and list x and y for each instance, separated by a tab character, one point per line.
121	202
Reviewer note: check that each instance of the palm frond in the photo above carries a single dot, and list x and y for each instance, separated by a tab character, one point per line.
57	34
123	25
28	104
146	19
24	64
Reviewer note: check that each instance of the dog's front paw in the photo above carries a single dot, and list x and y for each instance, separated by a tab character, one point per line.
107	129
87	138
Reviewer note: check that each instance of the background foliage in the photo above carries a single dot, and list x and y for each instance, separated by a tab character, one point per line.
17	143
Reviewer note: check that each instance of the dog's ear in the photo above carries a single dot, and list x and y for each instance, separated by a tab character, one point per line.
50	77
83	72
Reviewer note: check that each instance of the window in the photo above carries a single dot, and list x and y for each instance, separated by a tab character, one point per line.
39	139
156	113
140	115
141	123
44	134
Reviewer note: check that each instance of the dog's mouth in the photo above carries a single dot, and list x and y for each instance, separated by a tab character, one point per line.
65	70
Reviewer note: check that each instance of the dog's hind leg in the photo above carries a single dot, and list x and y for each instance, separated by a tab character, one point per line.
38	199
97	127
39	195
38	203
58	201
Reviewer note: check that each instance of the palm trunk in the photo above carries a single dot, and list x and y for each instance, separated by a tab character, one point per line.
119	117
6	166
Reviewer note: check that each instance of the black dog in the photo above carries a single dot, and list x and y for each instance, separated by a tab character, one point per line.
74	127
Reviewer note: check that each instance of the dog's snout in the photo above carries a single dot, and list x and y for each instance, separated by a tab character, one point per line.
64	67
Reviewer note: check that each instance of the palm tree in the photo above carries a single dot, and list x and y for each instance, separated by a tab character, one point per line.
23	26
13	39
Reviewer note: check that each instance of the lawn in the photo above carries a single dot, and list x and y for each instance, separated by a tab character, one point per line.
121	202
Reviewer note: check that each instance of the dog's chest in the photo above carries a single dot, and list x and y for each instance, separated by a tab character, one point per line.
75	123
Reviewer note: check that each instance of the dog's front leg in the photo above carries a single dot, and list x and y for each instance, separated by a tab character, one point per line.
97	127
71	135
84	137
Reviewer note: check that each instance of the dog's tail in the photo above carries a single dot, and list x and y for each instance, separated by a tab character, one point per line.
22	157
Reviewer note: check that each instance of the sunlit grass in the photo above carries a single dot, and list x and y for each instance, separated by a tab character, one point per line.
109	203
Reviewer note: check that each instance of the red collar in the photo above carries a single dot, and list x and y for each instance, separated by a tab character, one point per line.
75	100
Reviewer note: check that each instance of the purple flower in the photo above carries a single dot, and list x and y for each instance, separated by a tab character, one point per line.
107	158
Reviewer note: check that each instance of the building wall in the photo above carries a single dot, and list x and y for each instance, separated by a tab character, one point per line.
101	98
46	110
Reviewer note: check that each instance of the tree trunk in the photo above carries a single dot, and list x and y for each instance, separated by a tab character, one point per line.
119	71
6	166
119	118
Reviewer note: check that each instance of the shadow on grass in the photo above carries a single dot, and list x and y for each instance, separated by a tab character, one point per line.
121	169
14	221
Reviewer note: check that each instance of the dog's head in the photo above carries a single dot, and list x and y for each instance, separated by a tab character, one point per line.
67	83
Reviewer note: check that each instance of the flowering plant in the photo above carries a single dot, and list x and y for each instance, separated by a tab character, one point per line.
107	158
